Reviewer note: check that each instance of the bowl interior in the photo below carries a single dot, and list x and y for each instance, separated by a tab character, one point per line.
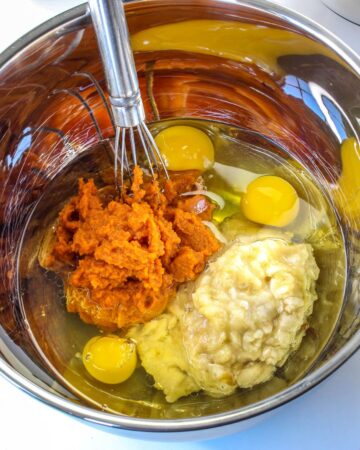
271	80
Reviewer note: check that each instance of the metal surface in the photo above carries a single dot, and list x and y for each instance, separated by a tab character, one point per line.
108	17
75	20
112	33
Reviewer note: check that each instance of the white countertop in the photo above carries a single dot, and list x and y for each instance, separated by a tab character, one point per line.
326	418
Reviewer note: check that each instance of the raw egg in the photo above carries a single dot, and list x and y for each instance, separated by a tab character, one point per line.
185	148
270	200
347	191
110	359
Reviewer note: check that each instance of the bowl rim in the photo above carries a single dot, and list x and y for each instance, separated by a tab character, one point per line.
80	15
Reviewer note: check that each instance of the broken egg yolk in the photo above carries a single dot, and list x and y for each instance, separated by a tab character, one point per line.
185	148
110	359
270	200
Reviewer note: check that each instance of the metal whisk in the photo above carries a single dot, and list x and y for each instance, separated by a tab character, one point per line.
112	34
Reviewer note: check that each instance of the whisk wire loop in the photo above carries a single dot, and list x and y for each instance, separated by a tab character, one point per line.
157	155
146	151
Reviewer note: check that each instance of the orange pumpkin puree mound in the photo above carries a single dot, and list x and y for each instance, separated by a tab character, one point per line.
130	255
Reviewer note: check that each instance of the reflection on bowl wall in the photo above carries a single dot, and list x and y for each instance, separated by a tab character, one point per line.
251	66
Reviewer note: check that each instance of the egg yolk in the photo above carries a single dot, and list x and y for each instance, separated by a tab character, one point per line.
348	188
185	148
270	200
110	359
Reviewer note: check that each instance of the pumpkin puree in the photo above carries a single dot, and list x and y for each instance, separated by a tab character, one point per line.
129	256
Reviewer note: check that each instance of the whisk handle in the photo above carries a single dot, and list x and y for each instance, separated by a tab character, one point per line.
112	34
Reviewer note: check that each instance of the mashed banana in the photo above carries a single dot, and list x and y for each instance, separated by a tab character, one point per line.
236	324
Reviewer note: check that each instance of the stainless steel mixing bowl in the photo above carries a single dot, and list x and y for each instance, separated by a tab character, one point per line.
50	107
